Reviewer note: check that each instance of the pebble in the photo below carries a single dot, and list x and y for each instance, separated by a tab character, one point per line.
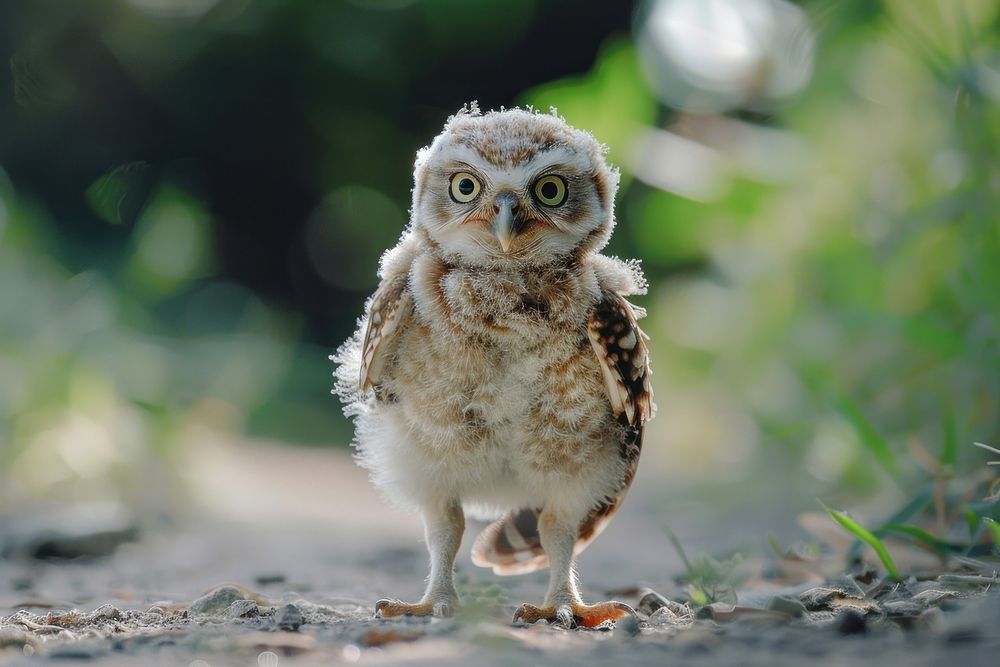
216	602
851	623
664	618
820	598
88	545
904	608
289	617
80	650
106	612
787	605
963	635
627	626
22	584
243	609
15	637
650	602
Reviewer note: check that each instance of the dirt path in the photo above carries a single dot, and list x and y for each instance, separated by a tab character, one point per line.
254	588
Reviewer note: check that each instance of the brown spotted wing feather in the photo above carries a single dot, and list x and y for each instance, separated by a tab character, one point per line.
620	346
390	305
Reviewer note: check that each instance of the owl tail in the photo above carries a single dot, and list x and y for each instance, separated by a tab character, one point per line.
512	545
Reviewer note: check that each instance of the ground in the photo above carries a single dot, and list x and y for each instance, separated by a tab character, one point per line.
246	583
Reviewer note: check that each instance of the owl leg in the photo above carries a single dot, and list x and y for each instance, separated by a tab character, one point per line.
563	605
443	528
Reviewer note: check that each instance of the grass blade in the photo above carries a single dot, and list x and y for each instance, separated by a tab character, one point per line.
680	551
870	437
911	509
922	536
972	523
994	529
775	545
949	451
866	536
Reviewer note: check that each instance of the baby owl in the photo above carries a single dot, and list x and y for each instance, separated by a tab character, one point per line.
498	370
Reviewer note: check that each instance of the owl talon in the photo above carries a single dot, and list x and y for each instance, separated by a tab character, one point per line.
443	610
395	608
529	613
576	615
564	616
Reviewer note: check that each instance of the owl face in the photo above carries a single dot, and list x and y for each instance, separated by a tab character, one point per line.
513	188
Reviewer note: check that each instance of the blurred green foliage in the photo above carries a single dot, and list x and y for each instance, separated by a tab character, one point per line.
195	194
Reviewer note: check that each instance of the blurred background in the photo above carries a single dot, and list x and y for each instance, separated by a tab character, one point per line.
194	195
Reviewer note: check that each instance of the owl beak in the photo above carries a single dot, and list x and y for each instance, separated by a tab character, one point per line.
504	224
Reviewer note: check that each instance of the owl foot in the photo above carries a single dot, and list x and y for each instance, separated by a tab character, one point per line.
575	615
396	608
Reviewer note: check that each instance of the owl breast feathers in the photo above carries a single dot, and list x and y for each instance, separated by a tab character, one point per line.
498	364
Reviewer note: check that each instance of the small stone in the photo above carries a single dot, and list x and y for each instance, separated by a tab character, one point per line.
15	637
665	617
65	619
146	618
963	635
22	584
786	605
289	618
243	609
627	626
820	598
864	573
216	602
87	545
270	578
80	650
704	613
851	623
650	602
106	613
906	609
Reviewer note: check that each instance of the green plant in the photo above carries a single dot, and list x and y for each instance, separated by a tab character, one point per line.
866	536
709	580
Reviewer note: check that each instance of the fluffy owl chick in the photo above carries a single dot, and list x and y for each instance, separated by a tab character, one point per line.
498	369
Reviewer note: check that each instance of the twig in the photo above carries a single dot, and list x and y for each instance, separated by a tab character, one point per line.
41	628
987	447
968	579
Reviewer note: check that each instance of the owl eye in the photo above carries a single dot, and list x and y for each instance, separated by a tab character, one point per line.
551	190
464	187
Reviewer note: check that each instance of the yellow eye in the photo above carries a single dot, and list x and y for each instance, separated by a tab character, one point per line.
464	187
551	190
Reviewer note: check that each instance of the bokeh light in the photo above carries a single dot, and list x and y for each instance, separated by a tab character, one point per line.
714	55
174	9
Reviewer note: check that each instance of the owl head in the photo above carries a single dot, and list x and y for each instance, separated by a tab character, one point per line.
513	187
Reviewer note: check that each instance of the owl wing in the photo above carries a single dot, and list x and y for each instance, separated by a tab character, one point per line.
389	307
620	346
